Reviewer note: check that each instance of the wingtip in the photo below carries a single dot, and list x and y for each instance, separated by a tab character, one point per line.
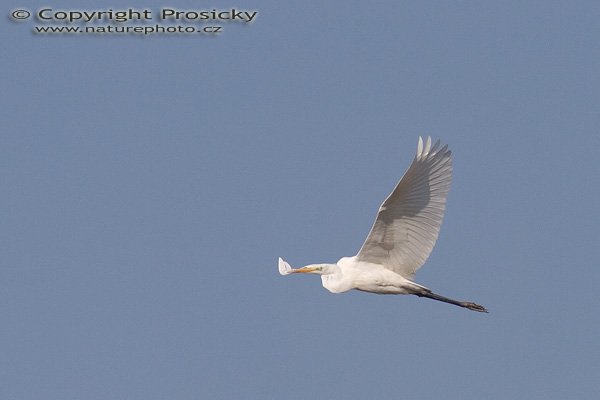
435	147
284	267
428	145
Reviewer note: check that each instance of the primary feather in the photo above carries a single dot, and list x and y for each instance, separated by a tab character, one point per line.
409	220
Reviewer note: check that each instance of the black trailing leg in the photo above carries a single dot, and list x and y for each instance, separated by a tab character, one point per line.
465	304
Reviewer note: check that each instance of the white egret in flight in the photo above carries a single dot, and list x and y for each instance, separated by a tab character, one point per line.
402	237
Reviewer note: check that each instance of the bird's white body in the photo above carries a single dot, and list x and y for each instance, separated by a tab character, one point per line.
364	276
402	237
367	277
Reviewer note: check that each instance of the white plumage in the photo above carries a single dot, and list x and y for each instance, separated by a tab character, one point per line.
409	220
402	237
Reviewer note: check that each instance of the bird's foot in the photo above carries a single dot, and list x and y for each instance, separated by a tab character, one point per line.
475	307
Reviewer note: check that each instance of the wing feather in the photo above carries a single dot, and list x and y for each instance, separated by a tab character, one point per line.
409	220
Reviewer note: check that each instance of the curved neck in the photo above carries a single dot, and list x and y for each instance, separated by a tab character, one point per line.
323	269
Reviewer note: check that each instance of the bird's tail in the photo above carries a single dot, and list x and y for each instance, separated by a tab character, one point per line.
471	306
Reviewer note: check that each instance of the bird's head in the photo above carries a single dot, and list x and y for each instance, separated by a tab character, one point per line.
319	269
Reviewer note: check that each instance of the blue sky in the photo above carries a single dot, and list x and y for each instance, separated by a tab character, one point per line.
150	183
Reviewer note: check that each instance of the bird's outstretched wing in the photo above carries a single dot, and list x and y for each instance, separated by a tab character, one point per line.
408	221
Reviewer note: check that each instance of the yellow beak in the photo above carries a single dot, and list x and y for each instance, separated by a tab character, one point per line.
304	270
